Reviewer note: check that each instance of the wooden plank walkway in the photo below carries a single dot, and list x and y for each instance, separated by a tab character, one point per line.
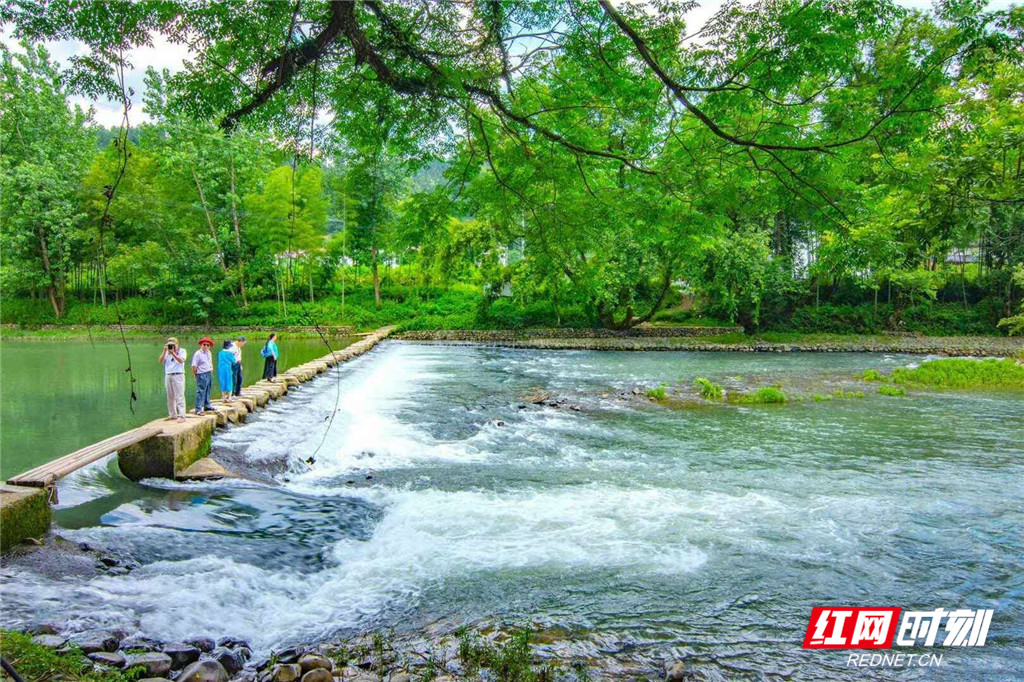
51	472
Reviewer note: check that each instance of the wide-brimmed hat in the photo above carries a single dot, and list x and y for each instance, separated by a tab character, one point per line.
206	339
171	339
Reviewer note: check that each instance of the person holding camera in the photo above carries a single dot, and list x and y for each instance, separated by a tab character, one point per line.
173	360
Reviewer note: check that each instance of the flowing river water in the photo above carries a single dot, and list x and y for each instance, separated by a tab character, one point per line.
706	533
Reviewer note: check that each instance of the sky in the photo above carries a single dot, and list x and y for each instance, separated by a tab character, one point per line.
165	55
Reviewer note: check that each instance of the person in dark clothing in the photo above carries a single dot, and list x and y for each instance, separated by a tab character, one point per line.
270	354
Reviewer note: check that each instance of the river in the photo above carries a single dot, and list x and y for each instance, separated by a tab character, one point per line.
704	533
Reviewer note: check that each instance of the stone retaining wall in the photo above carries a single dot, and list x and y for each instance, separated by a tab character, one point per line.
508	335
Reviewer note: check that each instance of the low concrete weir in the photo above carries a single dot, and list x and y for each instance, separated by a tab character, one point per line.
159	449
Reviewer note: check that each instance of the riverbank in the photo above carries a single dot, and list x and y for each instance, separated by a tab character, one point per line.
642	338
442	651
777	342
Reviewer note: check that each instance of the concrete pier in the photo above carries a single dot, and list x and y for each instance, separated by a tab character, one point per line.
159	449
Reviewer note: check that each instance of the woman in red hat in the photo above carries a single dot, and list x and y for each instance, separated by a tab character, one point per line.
202	370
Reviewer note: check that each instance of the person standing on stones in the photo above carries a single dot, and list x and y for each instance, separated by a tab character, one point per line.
173	360
202	370
225	371
236	368
270	355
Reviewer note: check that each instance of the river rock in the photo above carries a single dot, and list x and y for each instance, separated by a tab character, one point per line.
400	677
182	654
233	642
315	661
285	672
318	675
675	671
140	642
113	659
204	671
289	655
44	629
154	664
204	644
91	642
52	641
232	661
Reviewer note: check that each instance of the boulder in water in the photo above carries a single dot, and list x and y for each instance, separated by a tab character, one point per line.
182	654
204	671
233	661
233	642
204	644
675	671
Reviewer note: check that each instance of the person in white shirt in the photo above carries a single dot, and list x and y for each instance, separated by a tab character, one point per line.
236	367
202	370
173	360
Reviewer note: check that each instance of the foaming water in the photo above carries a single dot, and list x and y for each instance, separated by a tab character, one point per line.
695	531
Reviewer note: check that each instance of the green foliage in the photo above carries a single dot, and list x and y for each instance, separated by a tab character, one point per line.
506	661
766	395
873	375
894	391
659	393
42	664
1014	324
708	389
963	373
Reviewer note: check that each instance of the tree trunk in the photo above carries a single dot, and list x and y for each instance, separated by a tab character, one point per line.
376	274
54	287
238	236
209	220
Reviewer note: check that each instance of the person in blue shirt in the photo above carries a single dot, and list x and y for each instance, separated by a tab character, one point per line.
225	371
270	355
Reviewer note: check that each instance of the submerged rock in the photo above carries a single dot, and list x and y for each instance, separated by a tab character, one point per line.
204	671
233	642
204	644
675	671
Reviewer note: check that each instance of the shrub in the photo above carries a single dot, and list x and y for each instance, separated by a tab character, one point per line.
766	395
894	391
963	373
658	393
709	390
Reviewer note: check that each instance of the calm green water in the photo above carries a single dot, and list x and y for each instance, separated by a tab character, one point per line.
57	396
706	534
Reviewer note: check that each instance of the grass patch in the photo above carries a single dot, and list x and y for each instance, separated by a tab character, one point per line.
658	393
894	391
963	373
766	395
42	664
709	390
507	661
873	375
